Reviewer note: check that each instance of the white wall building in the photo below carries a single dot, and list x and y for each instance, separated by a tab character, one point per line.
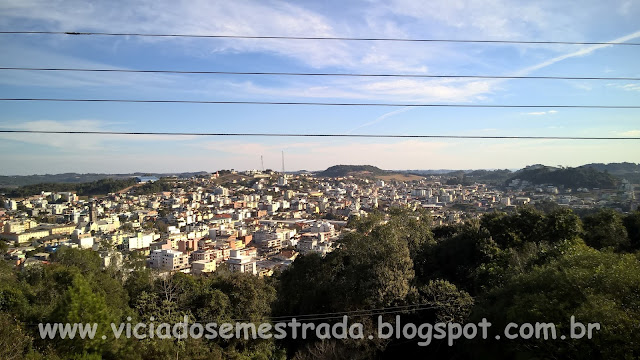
171	260
243	264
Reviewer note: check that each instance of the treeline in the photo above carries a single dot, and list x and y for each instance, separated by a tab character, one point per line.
99	187
523	267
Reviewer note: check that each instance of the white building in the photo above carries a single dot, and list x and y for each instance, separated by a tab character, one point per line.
11	205
243	264
142	241
171	260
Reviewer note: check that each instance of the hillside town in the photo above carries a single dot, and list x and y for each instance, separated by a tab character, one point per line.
254	222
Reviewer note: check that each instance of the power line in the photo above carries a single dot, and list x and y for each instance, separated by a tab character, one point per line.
322	74
337	315
321	103
301	316
317	135
319	38
354	313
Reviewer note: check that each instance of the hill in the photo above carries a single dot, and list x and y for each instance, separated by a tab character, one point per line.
625	170
353	170
615	168
478	176
587	177
102	186
75	178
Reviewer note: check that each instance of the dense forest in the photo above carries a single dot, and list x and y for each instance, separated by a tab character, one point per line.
523	267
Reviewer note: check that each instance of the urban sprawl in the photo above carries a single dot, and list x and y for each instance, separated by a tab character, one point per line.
252	222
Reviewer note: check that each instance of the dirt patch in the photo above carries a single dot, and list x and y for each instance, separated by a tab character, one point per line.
399	177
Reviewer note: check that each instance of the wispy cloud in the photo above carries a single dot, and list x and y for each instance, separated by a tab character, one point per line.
77	142
630	87
380	119
540	113
64	142
630	133
494	19
582	52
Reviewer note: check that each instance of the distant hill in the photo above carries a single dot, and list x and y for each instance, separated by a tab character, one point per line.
75	178
478	176
568	177
346	170
615	168
625	170
102	186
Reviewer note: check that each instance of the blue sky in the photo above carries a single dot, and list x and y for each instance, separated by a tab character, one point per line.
451	19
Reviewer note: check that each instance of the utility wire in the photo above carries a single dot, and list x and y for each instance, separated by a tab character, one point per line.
322	103
354	313
383	309
318	38
335	315
316	135
322	74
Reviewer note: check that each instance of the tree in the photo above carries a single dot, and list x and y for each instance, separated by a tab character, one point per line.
458	258
500	226
83	305
593	286
561	225
86	261
605	229
3	247
450	303
632	224
15	343
378	270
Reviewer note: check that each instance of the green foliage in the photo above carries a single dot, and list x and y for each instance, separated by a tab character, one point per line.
451	304
632	224
15	343
3	247
605	229
523	267
593	286
456	258
82	305
83	260
561	225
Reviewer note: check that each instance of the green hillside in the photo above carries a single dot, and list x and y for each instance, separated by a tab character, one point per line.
567	177
346	170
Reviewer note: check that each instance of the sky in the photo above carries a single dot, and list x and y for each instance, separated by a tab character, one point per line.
576	21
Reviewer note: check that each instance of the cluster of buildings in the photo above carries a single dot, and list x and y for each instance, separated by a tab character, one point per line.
252	222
